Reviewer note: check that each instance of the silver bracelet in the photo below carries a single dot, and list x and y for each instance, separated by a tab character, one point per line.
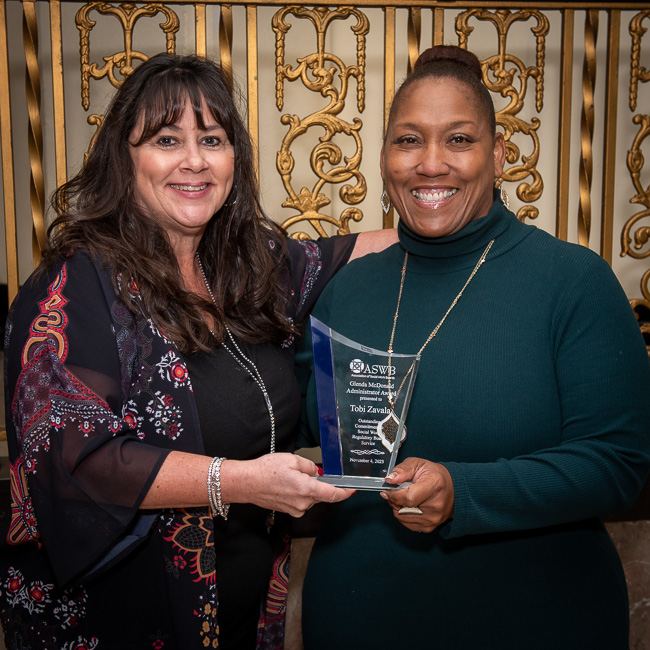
211	499
217	507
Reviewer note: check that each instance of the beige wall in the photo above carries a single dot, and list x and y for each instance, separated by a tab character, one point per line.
107	38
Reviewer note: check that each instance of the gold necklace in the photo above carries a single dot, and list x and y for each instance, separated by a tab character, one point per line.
387	428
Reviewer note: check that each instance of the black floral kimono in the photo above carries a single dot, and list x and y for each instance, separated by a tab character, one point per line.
96	398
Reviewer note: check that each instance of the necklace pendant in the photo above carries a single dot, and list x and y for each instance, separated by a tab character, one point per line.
387	431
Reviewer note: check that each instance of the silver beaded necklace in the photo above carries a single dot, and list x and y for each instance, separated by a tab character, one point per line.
246	363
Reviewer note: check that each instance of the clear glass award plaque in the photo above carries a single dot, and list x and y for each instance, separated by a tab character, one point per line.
363	396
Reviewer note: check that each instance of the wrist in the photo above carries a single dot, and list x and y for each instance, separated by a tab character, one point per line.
218	506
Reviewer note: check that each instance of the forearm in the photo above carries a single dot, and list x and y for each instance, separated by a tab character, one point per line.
180	483
573	482
281	482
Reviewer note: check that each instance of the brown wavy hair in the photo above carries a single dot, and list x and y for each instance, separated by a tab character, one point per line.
242	250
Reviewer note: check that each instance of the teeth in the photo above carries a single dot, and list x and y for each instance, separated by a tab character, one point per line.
189	188
433	196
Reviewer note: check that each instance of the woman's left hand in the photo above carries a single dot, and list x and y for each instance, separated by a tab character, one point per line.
432	492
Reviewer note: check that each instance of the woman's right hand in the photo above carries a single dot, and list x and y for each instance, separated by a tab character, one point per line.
428	502
282	482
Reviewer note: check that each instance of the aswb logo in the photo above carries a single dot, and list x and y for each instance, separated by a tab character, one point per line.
358	367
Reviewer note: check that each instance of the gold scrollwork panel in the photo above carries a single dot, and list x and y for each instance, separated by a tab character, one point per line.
635	236
119	65
317	73
638	73
501	73
414	35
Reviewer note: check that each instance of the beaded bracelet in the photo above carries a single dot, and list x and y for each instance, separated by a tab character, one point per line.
217	507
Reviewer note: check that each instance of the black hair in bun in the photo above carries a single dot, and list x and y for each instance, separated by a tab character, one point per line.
451	54
450	61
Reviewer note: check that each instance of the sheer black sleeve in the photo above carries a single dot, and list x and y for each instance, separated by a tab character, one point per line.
75	457
313	264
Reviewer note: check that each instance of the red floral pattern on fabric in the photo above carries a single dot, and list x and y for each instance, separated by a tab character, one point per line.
39	405
22	527
194	537
173	369
33	596
52	321
276	602
270	631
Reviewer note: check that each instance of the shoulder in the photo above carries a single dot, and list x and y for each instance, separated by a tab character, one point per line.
371	265
53	274
323	249
313	265
60	284
559	250
580	287
370	271
87	278
79	264
557	261
64	300
300	251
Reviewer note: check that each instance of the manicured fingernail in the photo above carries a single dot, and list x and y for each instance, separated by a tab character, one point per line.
383	495
392	475
320	471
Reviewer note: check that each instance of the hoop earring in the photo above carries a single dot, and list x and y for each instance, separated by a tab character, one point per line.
385	202
503	195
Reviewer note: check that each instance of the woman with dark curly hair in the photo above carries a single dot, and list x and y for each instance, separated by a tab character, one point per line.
150	390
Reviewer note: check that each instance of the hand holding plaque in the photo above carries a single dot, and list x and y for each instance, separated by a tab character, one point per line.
363	396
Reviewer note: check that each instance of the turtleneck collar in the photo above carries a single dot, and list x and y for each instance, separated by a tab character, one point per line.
466	242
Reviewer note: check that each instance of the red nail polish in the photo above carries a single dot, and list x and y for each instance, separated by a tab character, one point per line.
320	471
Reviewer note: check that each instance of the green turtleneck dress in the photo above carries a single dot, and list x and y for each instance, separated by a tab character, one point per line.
534	395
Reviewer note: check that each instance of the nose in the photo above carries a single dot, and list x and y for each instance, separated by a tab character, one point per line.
433	160
193	158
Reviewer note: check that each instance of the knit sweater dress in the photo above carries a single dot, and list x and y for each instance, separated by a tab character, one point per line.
534	394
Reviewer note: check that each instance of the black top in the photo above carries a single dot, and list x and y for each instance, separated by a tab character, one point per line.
239	427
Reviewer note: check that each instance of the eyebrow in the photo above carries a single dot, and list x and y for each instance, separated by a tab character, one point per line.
451	125
208	127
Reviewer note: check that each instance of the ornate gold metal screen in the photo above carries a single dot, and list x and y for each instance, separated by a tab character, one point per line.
585	183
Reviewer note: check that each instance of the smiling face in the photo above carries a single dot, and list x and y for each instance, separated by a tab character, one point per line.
439	161
183	175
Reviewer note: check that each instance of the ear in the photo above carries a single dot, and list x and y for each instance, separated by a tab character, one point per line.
499	154
381	163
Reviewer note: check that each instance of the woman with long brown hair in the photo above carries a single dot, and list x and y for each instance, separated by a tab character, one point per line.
151	397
